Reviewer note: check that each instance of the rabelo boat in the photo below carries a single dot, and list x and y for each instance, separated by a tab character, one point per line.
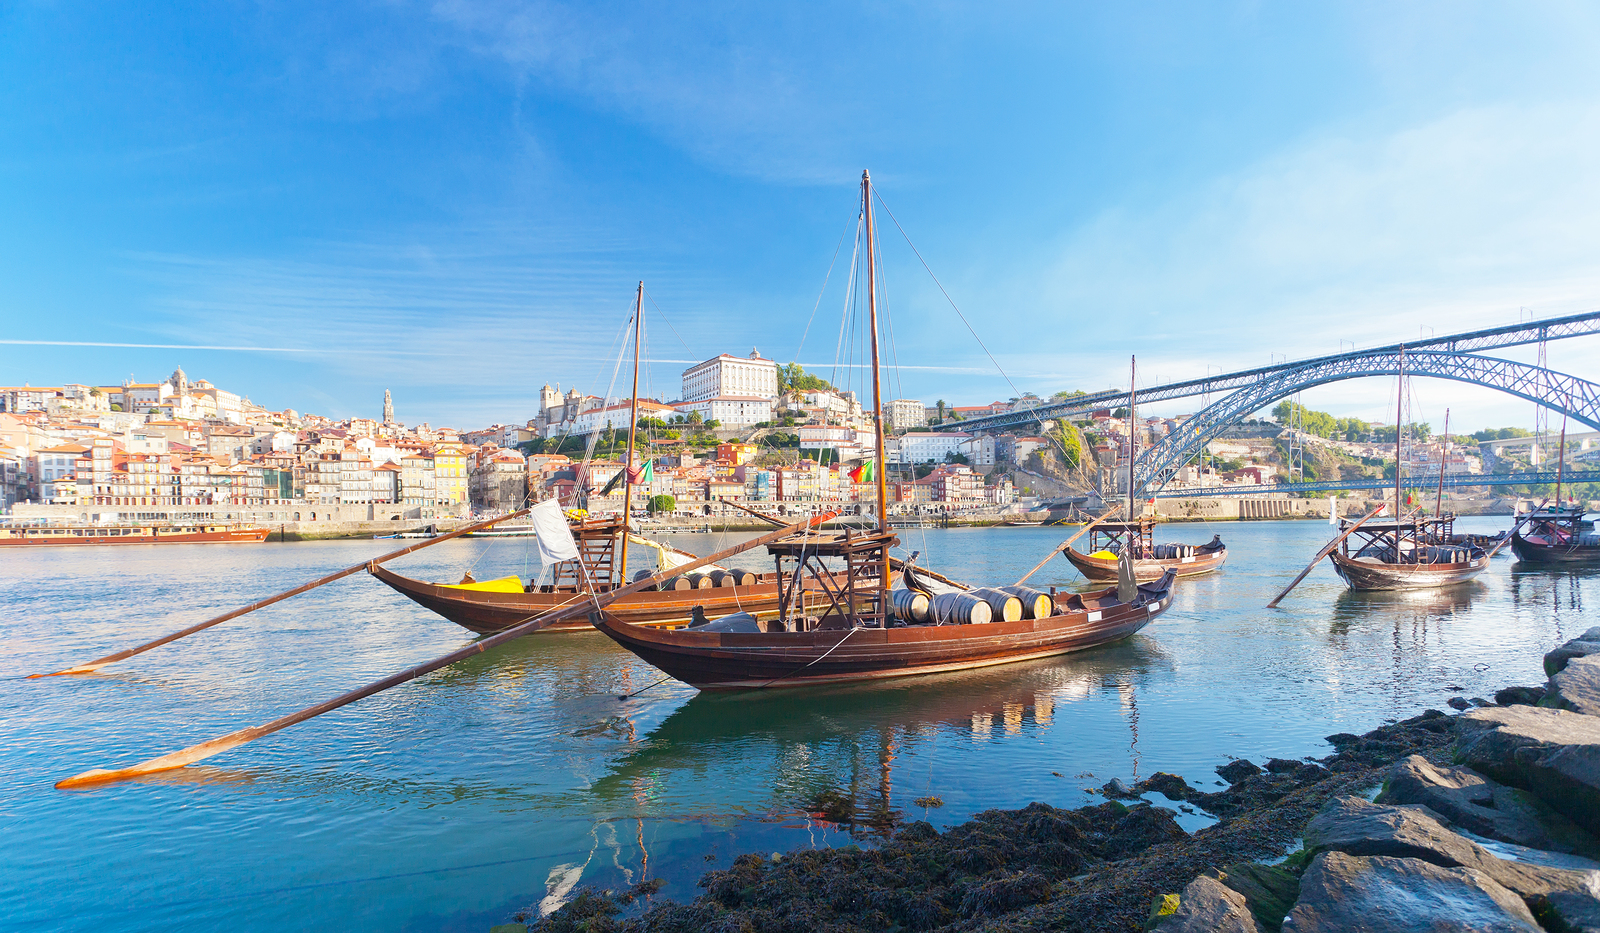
851	624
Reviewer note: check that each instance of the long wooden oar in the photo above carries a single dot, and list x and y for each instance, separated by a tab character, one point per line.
1068	543
95	665
1325	552
234	739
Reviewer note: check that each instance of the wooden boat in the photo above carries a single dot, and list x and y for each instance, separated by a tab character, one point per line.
495	605
58	535
829	643
1150	560
851	625
1554	537
486	611
1109	541
1492	544
1406	555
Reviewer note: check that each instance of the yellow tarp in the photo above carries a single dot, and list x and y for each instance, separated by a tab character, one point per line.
1103	555
502	585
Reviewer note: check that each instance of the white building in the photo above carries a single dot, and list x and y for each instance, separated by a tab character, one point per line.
734	411
979	450
902	413
616	416
730	376
930	448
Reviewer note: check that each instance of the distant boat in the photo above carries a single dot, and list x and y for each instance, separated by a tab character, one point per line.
1109	541
58	535
1150	560
1405	554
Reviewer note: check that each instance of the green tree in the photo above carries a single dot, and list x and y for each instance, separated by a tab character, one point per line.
696	418
941	410
794	378
1064	394
652	424
1067	436
661	503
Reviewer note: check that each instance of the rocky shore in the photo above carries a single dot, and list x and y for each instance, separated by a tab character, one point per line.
1483	820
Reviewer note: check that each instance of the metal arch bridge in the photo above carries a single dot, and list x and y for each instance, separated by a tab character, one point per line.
1456	345
1576	397
1422	483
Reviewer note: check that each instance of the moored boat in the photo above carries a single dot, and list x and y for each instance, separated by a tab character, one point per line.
1406	555
1554	537
58	535
1108	540
851	624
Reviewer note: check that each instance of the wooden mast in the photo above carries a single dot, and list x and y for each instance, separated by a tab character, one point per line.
1561	466
1444	453
877	402
1133	428
1399	418
633	429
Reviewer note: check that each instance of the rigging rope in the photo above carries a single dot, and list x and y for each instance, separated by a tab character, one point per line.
946	294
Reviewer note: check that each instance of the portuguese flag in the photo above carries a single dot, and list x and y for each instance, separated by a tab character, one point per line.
862	473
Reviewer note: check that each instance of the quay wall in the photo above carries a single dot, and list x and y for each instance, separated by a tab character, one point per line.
292	521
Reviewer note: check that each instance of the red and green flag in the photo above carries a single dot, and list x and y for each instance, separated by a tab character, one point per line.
862	473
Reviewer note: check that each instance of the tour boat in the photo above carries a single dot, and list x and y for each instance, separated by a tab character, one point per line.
852	625
56	535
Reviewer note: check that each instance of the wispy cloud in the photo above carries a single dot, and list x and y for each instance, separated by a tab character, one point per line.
156	346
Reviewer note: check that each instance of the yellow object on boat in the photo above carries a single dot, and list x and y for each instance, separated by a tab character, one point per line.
1103	555
502	585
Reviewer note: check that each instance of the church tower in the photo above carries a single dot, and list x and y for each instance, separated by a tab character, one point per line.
388	408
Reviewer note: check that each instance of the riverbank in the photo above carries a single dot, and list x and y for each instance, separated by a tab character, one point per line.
1500	843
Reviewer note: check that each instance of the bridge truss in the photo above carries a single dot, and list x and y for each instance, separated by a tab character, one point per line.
1423	483
1511	335
1578	398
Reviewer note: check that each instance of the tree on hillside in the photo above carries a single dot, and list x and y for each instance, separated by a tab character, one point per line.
1064	394
941	410
662	503
794	378
1500	434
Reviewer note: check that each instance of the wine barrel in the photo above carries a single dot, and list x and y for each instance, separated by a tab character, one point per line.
700	581
721	578
644	575
1005	607
745	577
1036	604
678	583
960	609
909	605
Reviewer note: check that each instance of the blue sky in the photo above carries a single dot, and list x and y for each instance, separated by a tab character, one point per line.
454	200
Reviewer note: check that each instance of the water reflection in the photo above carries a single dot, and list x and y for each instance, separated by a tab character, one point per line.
830	753
1422	608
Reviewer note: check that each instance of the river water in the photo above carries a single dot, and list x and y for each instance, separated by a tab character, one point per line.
454	802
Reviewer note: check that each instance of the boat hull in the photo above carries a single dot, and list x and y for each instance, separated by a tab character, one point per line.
487	613
1361	574
1208	558
98	537
743	661
1535	551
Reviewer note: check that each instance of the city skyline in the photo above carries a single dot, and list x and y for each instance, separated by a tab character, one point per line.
456	201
